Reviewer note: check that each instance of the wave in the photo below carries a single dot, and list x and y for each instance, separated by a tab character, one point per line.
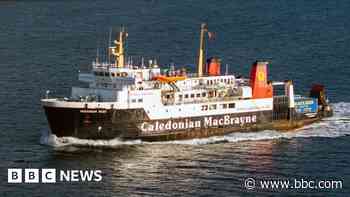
336	126
53	140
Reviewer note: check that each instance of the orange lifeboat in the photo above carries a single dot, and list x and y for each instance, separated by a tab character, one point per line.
171	79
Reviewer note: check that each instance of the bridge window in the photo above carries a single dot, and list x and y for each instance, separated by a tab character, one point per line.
204	94
224	106
198	95
140	100
186	95
113	74
192	95
231	105
99	73
213	107
204	107
133	100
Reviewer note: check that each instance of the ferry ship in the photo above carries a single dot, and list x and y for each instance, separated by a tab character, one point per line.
148	102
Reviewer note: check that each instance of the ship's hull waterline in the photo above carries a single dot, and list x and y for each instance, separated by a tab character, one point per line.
135	124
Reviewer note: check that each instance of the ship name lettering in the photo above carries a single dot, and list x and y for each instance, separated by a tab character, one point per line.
208	121
228	120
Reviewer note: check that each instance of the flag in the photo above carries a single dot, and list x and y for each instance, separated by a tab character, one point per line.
211	35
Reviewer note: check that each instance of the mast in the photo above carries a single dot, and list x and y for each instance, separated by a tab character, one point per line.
118	50
201	50
109	46
97	55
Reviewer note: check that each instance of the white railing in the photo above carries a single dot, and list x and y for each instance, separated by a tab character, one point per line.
103	65
97	93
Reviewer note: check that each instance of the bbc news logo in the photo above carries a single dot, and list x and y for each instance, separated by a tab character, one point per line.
51	175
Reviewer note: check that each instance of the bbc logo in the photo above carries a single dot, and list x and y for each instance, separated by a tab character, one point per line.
31	175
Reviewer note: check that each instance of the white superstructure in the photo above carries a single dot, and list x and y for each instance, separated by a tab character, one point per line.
162	94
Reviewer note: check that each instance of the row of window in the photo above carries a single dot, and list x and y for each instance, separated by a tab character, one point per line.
107	85
193	95
140	100
106	74
198	95
213	81
214	106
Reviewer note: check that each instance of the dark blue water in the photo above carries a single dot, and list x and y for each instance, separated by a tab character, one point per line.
43	44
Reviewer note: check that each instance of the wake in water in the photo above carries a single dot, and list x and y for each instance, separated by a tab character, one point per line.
336	126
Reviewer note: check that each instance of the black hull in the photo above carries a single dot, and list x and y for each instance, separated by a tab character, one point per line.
135	124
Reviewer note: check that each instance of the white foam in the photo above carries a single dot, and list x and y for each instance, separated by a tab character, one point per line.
336	126
53	140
